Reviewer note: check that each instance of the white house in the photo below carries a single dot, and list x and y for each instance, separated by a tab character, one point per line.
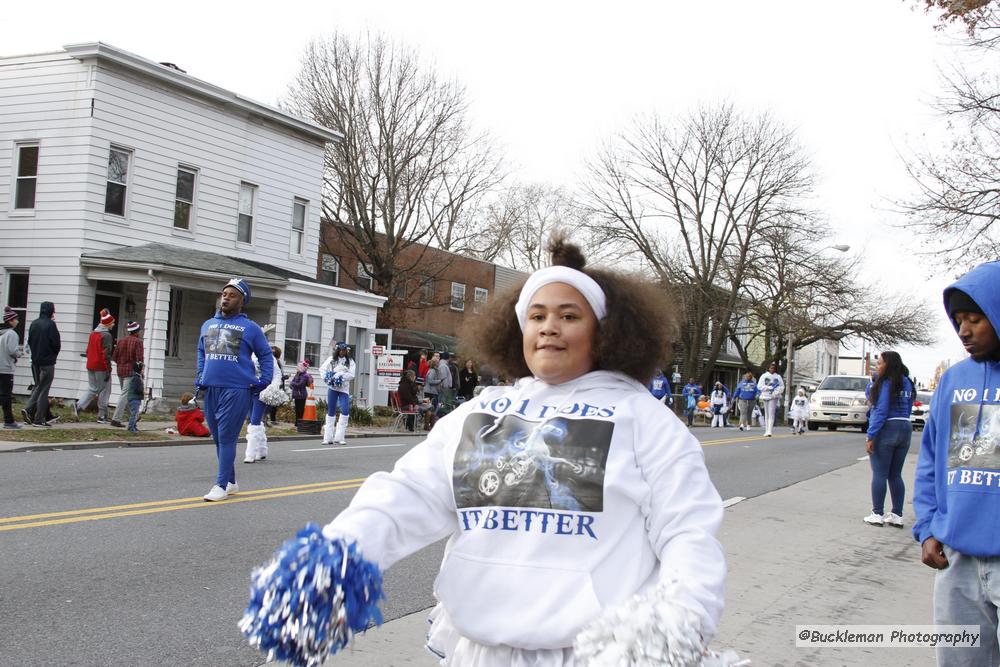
129	185
814	362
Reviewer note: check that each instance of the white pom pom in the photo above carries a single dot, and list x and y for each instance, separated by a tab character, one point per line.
273	395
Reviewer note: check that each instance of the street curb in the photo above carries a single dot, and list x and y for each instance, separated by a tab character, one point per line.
124	444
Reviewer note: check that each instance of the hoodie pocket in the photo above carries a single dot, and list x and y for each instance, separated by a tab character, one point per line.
530	607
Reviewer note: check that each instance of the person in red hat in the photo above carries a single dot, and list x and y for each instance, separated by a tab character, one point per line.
128	351
100	347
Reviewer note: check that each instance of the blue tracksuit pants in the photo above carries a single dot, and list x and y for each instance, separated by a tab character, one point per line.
225	410
257	410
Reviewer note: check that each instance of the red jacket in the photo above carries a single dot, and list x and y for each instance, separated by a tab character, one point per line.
189	421
99	349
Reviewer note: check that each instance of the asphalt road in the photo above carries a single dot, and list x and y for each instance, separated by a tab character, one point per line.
110	557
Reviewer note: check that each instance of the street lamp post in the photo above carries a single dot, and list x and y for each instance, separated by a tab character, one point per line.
790	347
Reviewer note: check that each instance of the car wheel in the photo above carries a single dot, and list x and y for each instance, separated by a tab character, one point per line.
813	426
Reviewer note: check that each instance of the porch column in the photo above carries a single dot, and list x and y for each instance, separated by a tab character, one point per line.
157	313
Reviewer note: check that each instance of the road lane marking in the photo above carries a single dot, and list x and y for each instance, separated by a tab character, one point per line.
732	501
344	448
158	503
241	498
752	438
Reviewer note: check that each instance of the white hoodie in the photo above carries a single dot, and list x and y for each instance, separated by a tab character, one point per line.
559	500
771	386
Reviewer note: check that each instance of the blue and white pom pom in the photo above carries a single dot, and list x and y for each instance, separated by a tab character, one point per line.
328	377
273	395
649	630
311	598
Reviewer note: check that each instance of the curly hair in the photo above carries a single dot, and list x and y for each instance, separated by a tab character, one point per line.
634	338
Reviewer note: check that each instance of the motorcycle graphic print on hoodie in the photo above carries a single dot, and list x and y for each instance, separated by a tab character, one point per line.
509	461
967	448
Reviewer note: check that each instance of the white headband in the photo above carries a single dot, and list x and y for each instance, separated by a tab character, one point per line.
579	280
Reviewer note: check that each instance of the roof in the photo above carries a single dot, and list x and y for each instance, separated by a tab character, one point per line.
163	256
190	84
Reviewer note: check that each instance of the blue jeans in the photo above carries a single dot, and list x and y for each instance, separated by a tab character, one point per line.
225	410
133	414
338	399
892	443
967	592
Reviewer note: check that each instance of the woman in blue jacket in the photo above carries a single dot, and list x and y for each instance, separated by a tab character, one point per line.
889	432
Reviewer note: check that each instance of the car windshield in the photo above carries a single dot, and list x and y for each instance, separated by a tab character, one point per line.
924	397
842	383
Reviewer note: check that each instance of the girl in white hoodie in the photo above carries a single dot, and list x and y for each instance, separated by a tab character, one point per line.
569	499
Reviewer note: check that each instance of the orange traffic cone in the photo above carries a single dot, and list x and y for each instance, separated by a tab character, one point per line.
308	423
309	414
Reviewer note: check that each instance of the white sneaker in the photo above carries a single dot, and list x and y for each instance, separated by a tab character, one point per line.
341	442
249	458
875	520
217	493
893	519
232	487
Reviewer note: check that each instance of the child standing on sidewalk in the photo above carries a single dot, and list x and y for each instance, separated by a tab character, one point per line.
134	394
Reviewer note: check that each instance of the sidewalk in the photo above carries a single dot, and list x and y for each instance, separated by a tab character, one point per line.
160	428
800	555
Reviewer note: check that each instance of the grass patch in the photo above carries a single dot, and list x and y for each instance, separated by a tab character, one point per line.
49	435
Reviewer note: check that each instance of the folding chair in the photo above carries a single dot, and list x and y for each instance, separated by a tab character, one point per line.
399	414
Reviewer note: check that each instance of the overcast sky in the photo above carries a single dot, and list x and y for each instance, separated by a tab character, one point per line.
551	80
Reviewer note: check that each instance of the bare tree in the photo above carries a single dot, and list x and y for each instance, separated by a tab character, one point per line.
957	205
409	163
810	295
693	198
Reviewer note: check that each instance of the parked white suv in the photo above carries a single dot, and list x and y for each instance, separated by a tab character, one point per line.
839	401
921	410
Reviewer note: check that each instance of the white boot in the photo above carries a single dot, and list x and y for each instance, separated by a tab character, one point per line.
340	437
328	430
255	435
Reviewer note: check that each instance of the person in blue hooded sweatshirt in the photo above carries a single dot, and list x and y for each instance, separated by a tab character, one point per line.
889	435
226	372
957	489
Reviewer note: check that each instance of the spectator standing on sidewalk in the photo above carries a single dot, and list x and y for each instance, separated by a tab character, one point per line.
409	397
127	351
468	378
134	391
10	350
100	347
44	344
746	399
226	372
300	383
955	492
771	388
889	432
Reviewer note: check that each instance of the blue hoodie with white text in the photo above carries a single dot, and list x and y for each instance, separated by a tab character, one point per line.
957	489
224	348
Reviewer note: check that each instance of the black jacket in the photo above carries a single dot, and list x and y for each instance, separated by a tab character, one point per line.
43	337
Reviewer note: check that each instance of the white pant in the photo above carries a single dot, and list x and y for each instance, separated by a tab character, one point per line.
770	405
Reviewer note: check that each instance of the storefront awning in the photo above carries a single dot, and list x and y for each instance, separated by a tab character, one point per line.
424	340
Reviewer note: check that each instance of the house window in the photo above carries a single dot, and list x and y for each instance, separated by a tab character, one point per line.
27	176
174	322
481	298
427	290
340	330
364	277
293	337
116	194
399	287
298	226
17	299
314	337
184	197
329	272
244	224
457	296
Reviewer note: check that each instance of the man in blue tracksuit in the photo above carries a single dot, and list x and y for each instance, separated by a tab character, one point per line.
690	394
957	488
226	372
